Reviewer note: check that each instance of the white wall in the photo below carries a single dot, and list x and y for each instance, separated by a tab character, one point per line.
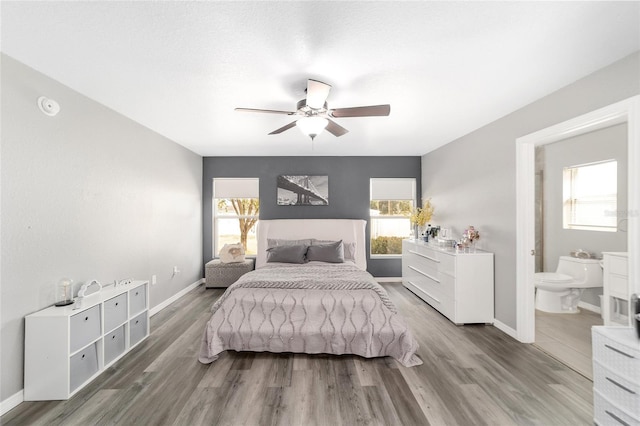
472	180
86	194
605	144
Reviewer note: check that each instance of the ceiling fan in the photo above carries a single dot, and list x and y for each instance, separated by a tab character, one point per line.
315	115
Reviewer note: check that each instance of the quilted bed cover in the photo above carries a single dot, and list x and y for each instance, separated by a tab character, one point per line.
311	308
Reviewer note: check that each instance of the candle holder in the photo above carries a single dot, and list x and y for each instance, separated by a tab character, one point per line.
64	292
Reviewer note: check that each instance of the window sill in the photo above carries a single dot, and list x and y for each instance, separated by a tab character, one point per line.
385	256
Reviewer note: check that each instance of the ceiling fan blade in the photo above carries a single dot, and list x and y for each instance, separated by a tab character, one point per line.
317	93
363	111
270	111
335	129
283	128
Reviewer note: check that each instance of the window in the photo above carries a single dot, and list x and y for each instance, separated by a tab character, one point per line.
392	201
236	206
590	196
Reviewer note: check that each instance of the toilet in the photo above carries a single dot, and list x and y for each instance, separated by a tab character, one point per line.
559	292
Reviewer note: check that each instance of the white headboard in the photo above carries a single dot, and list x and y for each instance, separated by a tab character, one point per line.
347	230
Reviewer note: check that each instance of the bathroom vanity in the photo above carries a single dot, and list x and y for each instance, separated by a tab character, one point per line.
616	290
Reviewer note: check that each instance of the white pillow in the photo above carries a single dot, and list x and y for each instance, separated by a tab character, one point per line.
232	253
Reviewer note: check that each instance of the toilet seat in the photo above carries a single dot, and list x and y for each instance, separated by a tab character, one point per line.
553	281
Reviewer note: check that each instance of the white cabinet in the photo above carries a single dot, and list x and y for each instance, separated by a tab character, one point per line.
65	348
616	376
616	291
458	285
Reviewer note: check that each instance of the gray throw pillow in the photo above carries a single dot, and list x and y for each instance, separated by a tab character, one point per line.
330	253
287	254
349	248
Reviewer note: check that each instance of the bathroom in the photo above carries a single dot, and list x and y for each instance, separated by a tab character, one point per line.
567	336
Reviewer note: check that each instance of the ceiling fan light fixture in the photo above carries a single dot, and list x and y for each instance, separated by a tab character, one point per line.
312	126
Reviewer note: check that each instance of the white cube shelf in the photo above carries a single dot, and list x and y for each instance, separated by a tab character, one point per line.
66	348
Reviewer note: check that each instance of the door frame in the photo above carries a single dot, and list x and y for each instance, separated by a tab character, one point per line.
627	111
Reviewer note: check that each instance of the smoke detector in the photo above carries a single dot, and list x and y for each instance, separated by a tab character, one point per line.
48	106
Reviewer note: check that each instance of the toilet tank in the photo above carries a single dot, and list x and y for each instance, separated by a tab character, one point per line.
586	272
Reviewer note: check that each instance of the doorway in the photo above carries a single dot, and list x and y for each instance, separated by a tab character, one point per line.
625	111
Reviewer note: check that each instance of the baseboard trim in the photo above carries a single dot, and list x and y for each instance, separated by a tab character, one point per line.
12	402
175	297
388	279
590	307
505	329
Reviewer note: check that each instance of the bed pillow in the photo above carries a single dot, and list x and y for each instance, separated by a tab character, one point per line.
330	253
349	248
287	254
271	242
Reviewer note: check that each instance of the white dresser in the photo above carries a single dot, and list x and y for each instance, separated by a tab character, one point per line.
459	285
66	348
616	291
616	376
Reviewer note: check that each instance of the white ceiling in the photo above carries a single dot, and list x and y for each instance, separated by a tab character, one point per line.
446	68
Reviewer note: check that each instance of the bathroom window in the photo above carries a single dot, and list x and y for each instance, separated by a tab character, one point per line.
590	193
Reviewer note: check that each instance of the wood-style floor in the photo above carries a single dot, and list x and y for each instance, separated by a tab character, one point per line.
567	337
472	375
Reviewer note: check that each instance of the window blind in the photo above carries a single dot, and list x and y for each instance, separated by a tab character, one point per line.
236	188
393	188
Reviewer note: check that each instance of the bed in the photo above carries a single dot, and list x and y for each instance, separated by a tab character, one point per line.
317	304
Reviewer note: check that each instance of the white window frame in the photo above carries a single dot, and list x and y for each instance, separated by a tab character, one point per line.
571	202
389	185
243	189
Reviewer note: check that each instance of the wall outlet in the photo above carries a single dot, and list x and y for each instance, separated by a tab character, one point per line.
154	280
176	271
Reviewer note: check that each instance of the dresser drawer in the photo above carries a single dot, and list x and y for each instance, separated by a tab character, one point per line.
615	356
427	286
443	262
619	390
138	299
83	365
84	328
607	413
436	300
138	328
619	265
115	312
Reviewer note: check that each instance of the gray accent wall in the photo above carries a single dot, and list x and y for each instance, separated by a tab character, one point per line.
472	179
87	194
604	144
348	190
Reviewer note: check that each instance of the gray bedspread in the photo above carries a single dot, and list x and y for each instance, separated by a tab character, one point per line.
310	308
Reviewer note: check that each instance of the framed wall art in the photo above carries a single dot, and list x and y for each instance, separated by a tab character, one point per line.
303	190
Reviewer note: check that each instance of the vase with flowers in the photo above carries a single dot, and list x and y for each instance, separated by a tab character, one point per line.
471	235
421	216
